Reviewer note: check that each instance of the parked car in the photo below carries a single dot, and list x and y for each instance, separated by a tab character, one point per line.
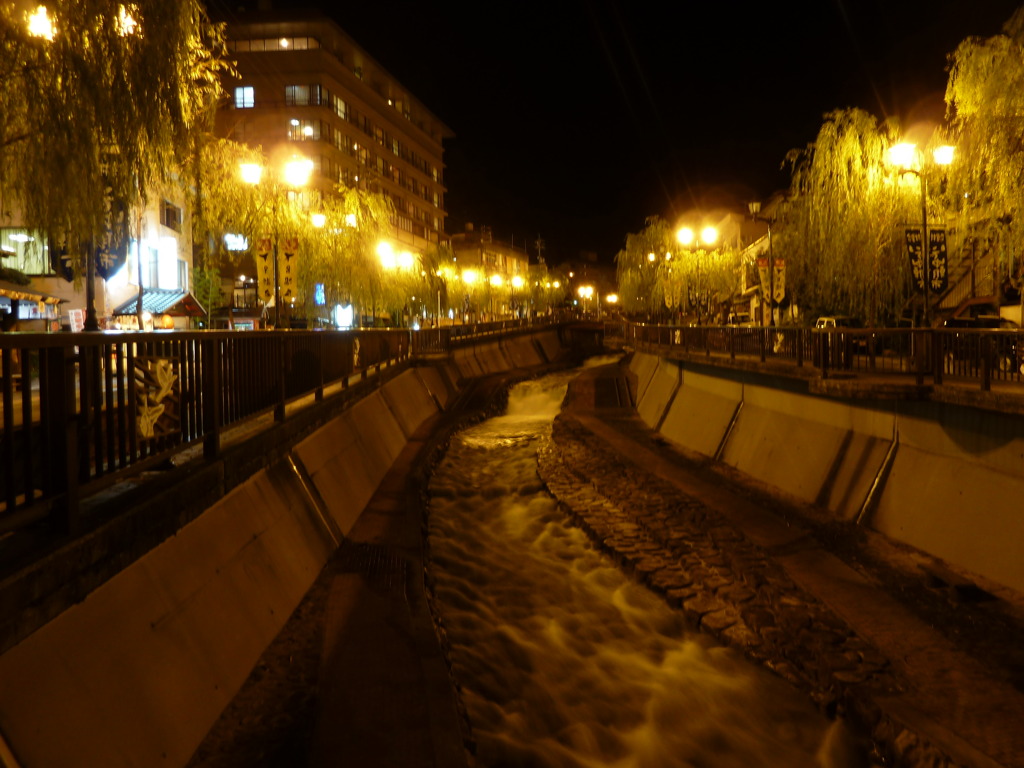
1006	348
838	321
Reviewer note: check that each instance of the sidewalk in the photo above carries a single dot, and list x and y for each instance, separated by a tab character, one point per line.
845	615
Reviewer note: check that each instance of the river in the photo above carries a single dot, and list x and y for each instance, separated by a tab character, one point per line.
563	660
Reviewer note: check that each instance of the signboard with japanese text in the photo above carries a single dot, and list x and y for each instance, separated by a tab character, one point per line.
287	268
264	271
937	260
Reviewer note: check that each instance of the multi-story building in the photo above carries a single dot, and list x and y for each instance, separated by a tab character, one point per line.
477	249
306	87
158	257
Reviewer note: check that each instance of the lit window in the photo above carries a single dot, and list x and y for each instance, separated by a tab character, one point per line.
170	216
245	98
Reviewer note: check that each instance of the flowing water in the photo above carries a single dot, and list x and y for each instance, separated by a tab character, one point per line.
563	660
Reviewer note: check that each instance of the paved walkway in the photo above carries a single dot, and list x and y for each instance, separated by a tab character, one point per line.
372	688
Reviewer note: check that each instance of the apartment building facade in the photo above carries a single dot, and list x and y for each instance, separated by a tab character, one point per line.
305	87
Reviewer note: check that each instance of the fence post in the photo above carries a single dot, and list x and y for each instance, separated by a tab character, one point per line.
801	334
986	363
211	397
762	337
61	401
823	353
279	338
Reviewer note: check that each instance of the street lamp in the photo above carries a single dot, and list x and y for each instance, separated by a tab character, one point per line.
755	210
294	174
909	159
689	238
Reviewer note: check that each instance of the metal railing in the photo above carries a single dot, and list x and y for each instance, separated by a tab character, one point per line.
979	357
79	411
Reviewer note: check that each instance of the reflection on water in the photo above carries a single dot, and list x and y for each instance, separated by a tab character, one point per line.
563	660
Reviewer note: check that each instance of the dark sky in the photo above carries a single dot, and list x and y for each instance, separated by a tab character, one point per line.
577	119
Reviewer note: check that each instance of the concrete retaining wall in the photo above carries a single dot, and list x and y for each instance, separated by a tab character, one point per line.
138	673
954	485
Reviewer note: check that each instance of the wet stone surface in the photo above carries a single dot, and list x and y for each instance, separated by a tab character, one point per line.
726	585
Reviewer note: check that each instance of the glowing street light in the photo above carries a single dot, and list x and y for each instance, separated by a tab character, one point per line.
294	173
688	238
40	24
908	159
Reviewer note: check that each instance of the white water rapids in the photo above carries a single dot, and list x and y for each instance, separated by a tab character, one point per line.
563	660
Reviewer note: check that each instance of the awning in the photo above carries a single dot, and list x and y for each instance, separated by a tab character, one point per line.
161	301
26	293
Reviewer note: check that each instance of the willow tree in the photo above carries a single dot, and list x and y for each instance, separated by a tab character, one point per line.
222	204
98	100
985	101
841	234
339	252
637	267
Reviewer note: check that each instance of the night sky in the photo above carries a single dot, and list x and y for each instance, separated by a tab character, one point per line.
577	119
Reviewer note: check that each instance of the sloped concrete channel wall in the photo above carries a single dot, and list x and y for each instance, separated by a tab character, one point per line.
945	479
137	673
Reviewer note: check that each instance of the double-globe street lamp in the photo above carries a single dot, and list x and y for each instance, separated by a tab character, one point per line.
909	159
695	241
294	175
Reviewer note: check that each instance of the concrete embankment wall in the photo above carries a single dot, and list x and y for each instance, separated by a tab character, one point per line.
945	479
137	673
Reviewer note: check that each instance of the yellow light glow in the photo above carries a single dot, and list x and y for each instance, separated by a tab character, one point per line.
318	219
406	260
651	257
517	281
126	23
470	276
297	171
350	220
284	42
903	155
496	281
612	298
251	172
585	291
944	155
709	235
685	235
307	130
40	24
557	284
386	254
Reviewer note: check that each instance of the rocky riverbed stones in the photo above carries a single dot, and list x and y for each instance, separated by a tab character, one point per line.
724	584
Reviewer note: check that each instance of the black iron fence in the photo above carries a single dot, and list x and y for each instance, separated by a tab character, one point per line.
82	410
965	356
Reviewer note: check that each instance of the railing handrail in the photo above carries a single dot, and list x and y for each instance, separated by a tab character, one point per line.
81	410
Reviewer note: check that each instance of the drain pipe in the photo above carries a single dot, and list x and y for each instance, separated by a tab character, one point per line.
871	501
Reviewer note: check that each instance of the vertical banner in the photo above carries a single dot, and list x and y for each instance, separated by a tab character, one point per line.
264	271
780	280
915	252
762	273
286	265
938	274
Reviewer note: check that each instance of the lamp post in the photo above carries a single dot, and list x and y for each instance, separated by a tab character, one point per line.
755	210
688	238
294	174
908	159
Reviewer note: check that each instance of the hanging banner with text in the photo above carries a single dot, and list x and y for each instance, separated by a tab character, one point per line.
779	285
286	264
264	271
937	260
